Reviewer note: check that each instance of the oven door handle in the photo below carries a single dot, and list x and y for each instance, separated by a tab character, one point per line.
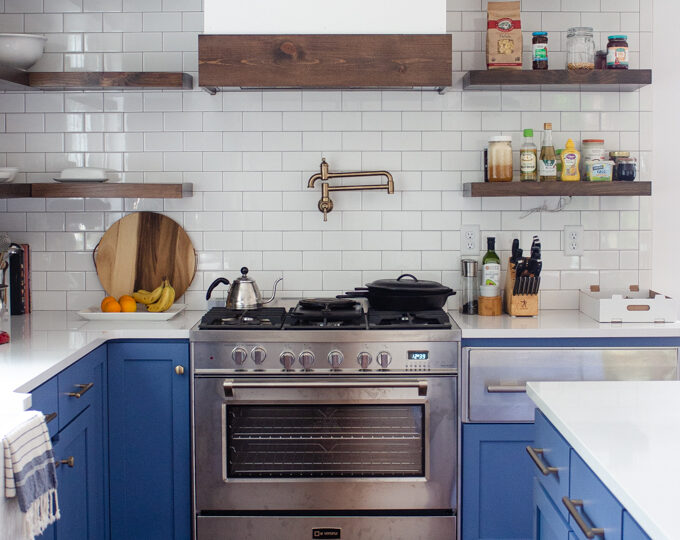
230	385
506	389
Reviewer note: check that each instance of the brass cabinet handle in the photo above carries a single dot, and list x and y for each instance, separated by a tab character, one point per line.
571	505
179	370
506	389
545	470
83	388
70	462
50	417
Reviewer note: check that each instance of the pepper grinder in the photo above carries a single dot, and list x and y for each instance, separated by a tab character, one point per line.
470	291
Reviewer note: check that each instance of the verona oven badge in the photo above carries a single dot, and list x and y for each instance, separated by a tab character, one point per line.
325	533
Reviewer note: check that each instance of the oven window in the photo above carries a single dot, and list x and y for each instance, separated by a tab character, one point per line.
312	441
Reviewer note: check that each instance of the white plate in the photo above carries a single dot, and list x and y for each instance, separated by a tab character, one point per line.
100	180
96	314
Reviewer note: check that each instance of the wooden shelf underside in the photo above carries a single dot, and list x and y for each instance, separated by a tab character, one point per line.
603	80
557	189
95	190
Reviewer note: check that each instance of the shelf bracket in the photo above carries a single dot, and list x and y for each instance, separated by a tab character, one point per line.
212	90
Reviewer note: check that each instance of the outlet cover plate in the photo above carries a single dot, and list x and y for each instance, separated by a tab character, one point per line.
469	240
573	240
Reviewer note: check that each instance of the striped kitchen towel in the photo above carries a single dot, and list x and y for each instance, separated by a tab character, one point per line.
30	474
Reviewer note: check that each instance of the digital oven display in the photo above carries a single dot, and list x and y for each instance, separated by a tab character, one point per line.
418	355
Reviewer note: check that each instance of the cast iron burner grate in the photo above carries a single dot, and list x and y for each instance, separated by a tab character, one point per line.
247	319
435	318
326	314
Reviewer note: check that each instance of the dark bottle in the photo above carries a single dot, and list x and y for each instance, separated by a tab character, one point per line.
540	50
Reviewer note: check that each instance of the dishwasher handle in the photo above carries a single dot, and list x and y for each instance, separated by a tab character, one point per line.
230	385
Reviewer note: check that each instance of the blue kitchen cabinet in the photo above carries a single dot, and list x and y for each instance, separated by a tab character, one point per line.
548	521
496	482
631	530
149	433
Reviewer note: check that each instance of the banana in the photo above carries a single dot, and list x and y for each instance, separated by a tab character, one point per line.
167	298
146	297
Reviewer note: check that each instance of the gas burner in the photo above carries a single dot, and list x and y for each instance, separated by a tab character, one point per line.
435	318
261	318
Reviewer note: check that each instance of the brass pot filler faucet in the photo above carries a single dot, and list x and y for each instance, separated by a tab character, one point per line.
325	203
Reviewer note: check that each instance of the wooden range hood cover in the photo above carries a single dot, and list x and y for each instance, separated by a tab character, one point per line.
329	61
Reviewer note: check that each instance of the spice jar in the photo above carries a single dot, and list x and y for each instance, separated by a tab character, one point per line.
591	150
540	50
617	52
469	293
580	49
625	167
500	159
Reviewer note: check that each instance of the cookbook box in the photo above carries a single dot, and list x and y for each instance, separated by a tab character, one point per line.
632	305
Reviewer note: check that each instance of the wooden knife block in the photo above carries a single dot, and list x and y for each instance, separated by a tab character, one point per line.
521	305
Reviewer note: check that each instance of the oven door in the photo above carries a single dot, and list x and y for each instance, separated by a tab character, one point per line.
295	443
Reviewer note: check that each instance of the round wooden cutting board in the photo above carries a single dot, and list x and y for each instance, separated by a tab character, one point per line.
140	250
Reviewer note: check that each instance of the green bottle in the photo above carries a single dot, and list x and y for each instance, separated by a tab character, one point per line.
491	266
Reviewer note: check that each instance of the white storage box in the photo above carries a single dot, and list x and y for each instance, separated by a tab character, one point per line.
627	306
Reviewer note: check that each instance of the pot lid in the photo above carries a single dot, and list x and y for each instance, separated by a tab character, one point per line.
408	283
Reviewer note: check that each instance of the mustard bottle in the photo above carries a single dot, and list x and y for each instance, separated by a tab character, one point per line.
571	159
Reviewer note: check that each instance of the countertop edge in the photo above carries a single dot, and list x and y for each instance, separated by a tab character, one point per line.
610	482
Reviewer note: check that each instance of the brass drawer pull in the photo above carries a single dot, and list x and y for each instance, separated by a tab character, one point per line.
571	505
70	462
50	417
83	388
506	389
545	470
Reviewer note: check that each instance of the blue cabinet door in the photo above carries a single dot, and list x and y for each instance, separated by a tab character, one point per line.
496	500
631	530
548	521
149	440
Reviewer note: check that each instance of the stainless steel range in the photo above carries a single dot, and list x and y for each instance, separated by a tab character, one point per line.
325	422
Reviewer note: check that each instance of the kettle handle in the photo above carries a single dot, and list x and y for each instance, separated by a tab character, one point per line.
214	284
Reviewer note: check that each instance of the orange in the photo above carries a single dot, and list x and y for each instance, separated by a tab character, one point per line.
127	304
112	306
106	301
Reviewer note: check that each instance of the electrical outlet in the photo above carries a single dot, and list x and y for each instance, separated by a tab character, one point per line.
469	240
573	240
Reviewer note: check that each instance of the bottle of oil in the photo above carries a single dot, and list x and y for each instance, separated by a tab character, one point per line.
528	158
547	164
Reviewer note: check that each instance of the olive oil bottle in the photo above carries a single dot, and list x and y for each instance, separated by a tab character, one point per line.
547	164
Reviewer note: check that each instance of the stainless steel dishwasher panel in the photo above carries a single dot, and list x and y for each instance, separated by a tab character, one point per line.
496	377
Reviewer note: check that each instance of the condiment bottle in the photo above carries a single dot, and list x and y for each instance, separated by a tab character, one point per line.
547	165
500	159
571	159
540	50
617	52
528	158
469	293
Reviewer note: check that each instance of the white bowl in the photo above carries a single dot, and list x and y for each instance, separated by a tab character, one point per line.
82	173
7	174
21	50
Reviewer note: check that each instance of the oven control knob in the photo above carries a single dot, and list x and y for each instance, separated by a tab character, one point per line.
364	359
239	355
384	359
287	360
306	358
258	354
335	358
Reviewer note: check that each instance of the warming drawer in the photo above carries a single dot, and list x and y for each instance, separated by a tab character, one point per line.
496	378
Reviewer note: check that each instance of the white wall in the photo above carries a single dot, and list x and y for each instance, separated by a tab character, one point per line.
249	155
666	198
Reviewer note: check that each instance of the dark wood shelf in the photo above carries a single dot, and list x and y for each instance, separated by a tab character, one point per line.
51	190
556	189
12	78
325	61
87	80
599	80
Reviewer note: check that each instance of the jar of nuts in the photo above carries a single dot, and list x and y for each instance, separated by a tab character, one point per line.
580	49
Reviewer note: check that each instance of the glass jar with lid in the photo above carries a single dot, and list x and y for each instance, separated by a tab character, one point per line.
500	159
580	49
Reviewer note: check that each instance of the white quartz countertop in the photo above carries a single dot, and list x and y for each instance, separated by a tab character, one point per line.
556	324
629	435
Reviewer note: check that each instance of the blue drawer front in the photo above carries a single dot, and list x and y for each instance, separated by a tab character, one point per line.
631	530
548	521
75	380
44	399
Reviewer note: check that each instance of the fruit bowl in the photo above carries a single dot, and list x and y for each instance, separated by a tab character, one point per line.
21	50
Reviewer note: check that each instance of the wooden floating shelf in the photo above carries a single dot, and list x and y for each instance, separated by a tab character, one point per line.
87	80
599	80
324	61
557	189
50	190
